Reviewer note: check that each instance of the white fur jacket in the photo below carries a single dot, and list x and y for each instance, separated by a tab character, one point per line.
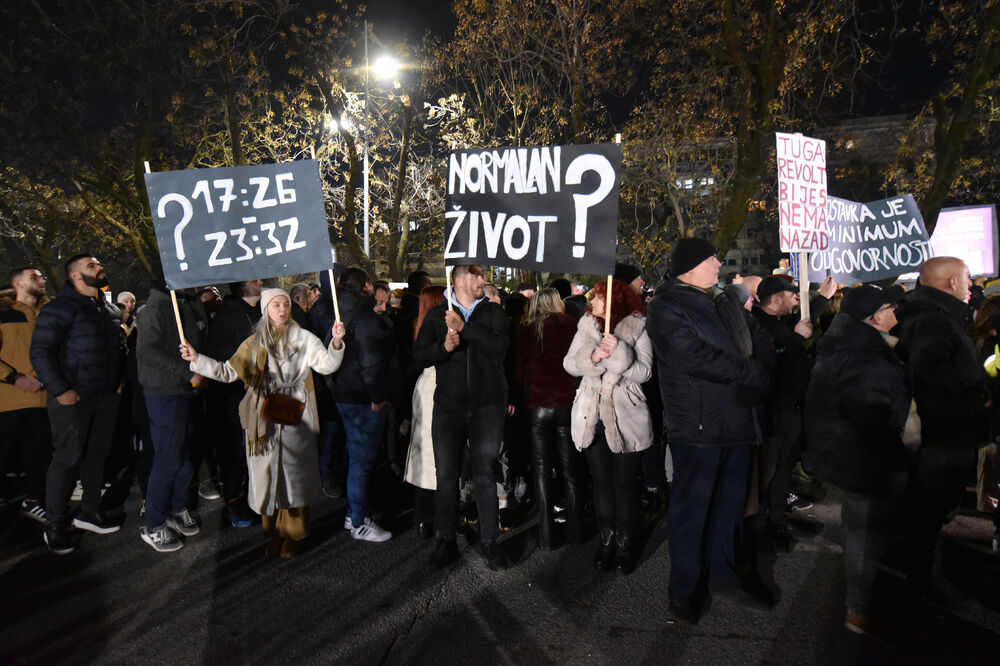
611	390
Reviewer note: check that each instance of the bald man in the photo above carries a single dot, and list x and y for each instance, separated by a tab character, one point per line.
950	388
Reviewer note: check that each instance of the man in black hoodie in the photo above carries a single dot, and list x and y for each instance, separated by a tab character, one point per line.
467	346
238	315
169	388
78	353
359	391
950	389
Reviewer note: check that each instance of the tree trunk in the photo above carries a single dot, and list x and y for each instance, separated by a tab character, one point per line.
399	236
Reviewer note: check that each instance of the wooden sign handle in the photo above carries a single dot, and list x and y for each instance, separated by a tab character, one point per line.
333	291
607	307
447	290
804	285
177	317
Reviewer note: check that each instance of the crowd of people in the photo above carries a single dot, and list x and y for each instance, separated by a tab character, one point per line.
698	397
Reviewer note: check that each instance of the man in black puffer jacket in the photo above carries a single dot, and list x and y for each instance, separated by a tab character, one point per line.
467	347
359	391
714	364
950	389
855	409
78	352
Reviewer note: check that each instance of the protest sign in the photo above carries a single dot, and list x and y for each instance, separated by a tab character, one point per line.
550	208
802	224
872	241
239	223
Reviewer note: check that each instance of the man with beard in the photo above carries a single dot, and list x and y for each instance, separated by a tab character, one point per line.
23	420
467	347
78	352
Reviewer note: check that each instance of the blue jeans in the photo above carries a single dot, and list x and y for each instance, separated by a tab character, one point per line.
166	494
361	429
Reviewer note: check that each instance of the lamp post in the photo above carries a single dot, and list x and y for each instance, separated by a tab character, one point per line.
385	68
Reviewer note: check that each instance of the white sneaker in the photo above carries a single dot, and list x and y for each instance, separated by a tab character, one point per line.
77	493
33	510
348	524
161	539
369	531
183	523
209	490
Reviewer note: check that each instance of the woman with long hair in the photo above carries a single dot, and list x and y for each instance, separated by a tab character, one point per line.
282	457
610	421
543	338
420	471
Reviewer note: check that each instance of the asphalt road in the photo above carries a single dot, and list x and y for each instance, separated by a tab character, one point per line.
219	601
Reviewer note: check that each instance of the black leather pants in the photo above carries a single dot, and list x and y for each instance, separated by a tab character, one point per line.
550	437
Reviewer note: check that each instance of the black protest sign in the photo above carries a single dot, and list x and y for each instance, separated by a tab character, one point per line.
551	208
872	241
239	223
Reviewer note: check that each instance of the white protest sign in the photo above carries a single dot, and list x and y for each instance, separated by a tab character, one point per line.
802	223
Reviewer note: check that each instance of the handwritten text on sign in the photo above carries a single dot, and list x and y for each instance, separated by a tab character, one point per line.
239	223
872	241
802	223
552	208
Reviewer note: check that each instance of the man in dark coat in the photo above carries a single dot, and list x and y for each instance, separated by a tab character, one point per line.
714	364
855	409
168	386
950	388
467	347
78	352
781	412
359	391
238	315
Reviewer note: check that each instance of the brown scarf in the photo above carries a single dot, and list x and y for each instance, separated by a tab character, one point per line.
252	372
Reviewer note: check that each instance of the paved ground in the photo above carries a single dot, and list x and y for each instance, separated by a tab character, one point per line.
219	601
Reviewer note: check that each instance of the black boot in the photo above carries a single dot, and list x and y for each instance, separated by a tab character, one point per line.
605	555
625	560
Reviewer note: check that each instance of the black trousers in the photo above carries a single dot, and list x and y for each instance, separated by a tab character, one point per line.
28	430
706	508
937	481
551	440
781	450
482	428
616	485
81	437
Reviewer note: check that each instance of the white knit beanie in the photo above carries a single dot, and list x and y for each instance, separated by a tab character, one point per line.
269	295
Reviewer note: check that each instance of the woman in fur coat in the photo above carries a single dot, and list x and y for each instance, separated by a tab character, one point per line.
610	420
282	459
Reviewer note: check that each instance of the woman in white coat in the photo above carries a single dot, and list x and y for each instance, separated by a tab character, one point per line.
610	420
282	459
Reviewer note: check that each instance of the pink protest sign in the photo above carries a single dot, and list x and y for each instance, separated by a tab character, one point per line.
802	223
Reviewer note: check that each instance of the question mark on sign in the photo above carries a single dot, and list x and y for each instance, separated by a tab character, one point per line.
187	213
582	202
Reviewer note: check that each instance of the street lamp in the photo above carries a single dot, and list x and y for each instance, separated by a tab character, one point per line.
385	68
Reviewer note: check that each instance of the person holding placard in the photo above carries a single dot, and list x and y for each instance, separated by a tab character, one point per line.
610	420
714	364
467	347
280	440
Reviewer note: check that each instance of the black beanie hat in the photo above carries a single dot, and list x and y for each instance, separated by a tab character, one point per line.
626	273
864	301
688	253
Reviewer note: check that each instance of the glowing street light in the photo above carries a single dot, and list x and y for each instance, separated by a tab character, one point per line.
386	68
